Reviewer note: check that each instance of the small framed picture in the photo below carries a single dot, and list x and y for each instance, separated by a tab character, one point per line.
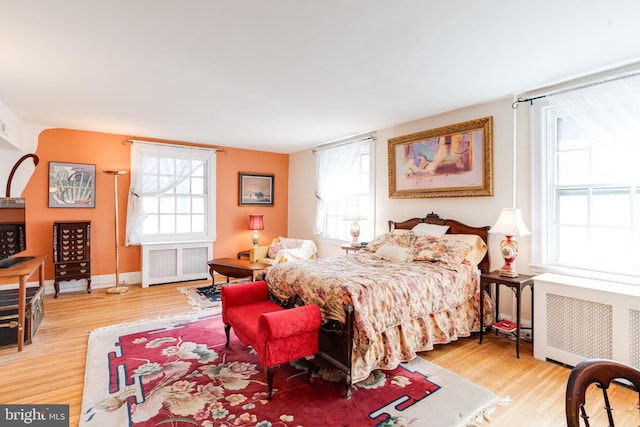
72	185
256	189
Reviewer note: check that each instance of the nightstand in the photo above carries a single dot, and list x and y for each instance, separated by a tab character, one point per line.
516	284
348	247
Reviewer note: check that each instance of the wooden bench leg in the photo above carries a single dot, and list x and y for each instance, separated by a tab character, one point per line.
270	371
310	369
227	329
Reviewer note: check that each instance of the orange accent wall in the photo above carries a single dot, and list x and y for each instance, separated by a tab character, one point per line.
108	152
233	219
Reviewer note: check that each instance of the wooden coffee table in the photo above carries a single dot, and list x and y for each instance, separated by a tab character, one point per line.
235	268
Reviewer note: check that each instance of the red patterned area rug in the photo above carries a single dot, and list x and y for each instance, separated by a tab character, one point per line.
177	372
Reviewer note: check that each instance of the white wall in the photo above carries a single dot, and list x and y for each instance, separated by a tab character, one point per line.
476	211
17	140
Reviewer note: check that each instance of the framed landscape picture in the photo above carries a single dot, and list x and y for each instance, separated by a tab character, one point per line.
72	185
450	161
256	189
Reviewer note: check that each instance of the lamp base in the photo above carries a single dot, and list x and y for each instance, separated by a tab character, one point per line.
508	273
355	233
118	290
509	250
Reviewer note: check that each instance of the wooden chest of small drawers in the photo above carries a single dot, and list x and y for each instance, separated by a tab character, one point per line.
12	239
72	252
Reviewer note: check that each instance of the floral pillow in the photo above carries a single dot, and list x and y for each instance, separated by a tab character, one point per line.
428	248
478	246
424	242
273	250
405	239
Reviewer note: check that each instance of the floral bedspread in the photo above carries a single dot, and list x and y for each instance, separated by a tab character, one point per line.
400	307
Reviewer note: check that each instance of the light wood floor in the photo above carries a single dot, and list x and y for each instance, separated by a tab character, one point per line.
51	369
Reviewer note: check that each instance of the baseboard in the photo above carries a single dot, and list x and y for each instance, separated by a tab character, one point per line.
97	282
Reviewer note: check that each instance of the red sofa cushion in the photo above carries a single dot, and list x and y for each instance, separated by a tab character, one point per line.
244	319
288	335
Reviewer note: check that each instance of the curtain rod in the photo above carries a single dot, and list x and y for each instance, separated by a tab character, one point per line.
571	89
133	139
337	144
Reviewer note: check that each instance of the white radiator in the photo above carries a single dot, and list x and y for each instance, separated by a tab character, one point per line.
175	262
577	319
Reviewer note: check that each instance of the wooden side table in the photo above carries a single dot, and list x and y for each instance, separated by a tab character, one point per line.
517	284
348	247
243	254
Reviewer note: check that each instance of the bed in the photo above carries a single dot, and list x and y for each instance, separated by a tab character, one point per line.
406	291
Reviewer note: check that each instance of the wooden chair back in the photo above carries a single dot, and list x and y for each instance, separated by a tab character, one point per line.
600	372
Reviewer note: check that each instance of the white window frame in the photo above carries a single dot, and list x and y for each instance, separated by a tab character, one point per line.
543	136
363	202
135	211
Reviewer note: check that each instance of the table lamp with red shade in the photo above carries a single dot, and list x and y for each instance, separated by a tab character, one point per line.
256	223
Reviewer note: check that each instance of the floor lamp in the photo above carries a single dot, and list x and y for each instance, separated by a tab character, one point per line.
118	289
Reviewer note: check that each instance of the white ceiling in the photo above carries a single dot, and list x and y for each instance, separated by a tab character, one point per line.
285	75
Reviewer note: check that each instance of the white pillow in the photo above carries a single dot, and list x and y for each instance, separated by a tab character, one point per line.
424	229
290	243
394	253
478	246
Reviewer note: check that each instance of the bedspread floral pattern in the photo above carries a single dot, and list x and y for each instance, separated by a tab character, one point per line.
399	308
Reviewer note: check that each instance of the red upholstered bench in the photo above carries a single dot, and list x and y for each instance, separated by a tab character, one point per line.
277	335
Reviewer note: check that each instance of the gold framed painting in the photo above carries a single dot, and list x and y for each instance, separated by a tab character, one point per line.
450	161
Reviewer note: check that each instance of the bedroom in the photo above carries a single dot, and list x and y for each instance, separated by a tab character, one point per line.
293	215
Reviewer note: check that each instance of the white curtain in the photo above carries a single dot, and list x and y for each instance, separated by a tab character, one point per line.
155	169
608	111
335	171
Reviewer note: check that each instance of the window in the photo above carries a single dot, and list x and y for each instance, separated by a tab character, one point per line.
586	191
344	189
171	197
